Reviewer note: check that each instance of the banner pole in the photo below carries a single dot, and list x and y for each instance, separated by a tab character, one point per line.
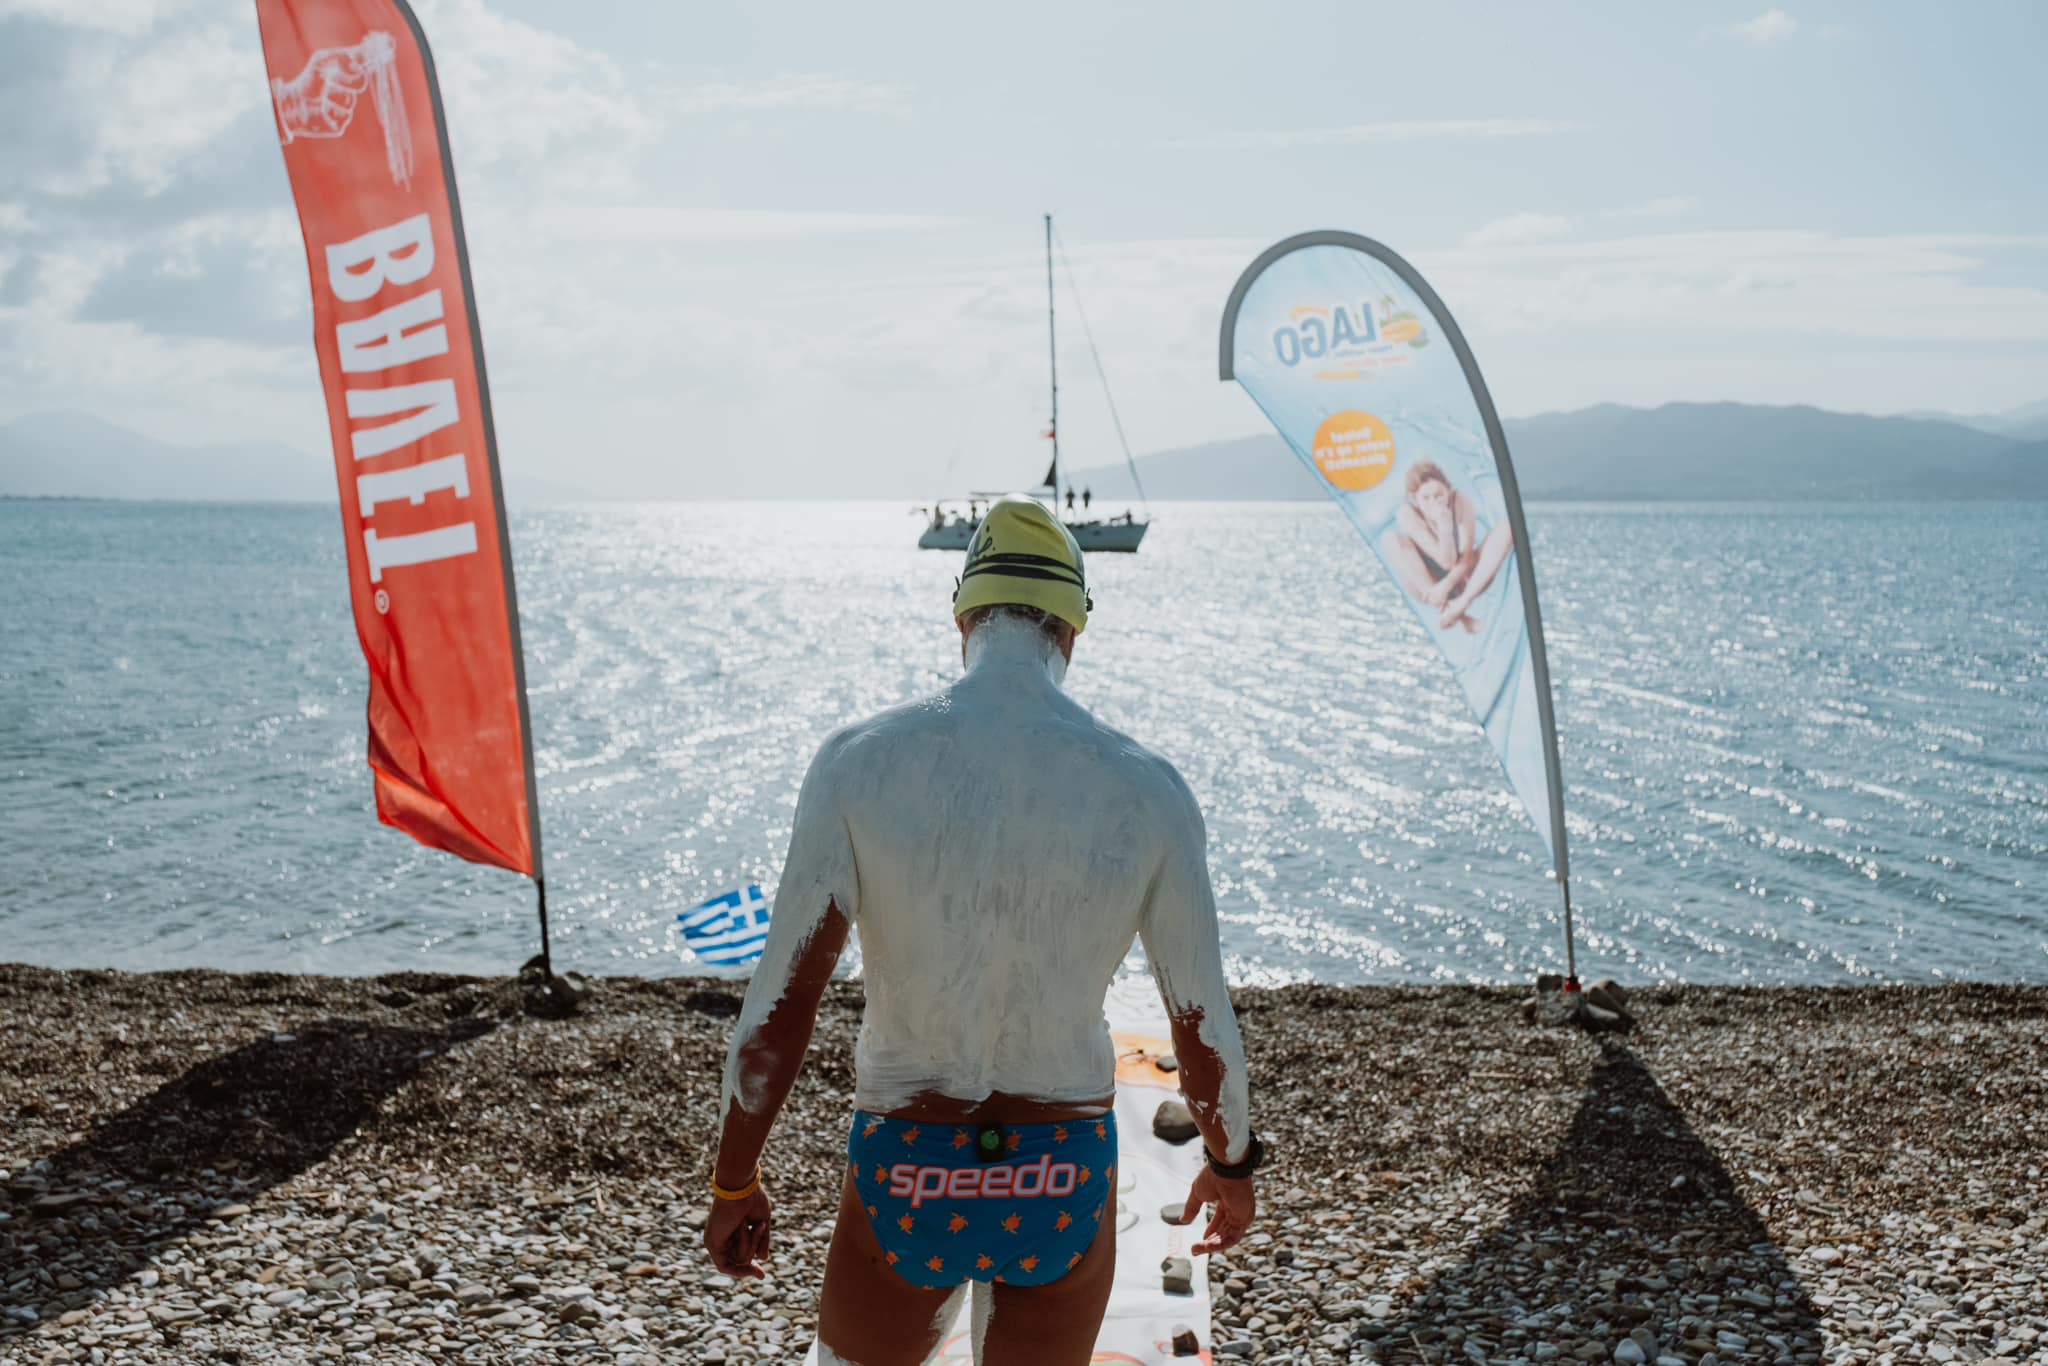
1571	949
547	962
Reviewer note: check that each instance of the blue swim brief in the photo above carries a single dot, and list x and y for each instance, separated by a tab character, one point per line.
947	1209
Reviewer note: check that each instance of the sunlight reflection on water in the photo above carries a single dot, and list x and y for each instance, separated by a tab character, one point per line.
1800	745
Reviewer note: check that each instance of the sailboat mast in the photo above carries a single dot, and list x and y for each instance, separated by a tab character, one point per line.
1052	342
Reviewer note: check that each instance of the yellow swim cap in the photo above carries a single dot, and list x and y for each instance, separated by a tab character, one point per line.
1021	555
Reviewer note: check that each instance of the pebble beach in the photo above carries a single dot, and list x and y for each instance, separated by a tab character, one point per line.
202	1166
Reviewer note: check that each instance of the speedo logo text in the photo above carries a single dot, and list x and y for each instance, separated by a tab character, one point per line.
1005	1181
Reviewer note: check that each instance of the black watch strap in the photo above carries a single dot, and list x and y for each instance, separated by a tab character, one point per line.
1254	1156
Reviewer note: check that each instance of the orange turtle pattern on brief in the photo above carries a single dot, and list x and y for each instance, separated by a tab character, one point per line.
1026	1224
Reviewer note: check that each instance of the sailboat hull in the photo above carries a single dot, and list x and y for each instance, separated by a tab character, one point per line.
1094	537
951	536
1108	536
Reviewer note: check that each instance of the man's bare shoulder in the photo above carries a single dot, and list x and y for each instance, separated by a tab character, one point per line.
857	743
1177	800
855	755
1152	779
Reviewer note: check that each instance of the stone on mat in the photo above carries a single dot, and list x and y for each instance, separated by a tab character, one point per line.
1172	1122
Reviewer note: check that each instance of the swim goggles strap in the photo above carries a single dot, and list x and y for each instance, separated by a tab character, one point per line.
743	1192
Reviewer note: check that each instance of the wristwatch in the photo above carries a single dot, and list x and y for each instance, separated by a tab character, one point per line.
1254	1157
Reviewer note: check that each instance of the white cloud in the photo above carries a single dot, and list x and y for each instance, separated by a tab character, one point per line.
1772	26
137	377
788	92
1923	287
1407	130
564	114
668	223
126	17
64	280
521	95
1518	228
158	106
1664	206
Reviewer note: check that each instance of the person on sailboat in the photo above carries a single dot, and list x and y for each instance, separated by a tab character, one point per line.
1087	497
1070	500
998	848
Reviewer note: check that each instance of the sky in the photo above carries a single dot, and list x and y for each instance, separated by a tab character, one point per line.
795	249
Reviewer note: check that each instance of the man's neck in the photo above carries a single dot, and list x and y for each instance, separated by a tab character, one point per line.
1004	646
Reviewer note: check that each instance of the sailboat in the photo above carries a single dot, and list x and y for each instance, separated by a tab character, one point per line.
950	527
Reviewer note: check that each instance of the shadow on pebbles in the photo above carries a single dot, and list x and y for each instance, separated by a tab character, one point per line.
259	1168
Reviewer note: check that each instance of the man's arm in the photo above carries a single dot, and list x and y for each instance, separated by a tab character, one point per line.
762	1064
1178	929
815	905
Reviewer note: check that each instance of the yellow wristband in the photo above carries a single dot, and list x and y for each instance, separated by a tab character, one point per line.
723	1194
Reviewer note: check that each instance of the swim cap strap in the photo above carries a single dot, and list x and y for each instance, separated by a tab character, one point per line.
1019	565
1087	598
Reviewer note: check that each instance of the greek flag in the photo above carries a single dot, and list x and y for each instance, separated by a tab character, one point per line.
727	930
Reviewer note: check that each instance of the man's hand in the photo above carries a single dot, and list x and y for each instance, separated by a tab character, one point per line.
1236	1206
320	101
736	1235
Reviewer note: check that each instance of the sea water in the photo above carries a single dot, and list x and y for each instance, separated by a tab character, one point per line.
1803	743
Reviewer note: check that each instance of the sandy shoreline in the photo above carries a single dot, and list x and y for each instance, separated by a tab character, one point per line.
245	1167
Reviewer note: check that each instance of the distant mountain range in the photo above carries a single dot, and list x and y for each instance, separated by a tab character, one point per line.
2027	423
74	455
1701	451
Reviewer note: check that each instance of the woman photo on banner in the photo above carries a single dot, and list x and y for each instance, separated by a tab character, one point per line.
1439	549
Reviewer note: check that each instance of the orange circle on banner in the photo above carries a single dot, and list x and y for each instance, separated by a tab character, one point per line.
1354	450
